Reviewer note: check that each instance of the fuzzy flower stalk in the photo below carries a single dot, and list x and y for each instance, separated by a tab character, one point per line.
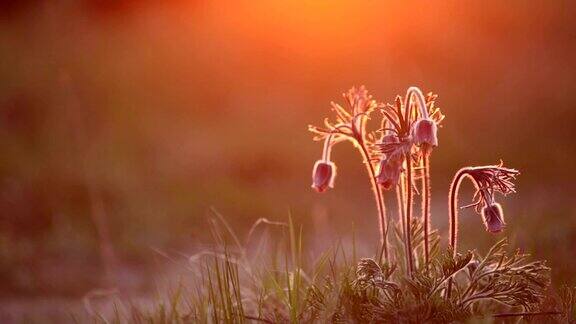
410	129
487	180
350	125
425	137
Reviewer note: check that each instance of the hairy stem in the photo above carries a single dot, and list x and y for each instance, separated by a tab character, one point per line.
400	202
416	92
426	208
379	201
408	222
453	208
453	214
327	148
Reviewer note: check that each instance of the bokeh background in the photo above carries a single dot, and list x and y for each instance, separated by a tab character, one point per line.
128	120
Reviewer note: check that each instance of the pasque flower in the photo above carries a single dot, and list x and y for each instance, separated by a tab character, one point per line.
488	180
389	173
425	133
425	129
493	218
390	166
323	175
350	126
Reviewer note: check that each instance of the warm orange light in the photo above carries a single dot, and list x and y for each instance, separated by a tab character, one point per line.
309	28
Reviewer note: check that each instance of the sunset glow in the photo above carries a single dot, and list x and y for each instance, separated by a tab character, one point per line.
186	161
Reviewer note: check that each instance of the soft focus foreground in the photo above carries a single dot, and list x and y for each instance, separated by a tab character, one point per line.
129	121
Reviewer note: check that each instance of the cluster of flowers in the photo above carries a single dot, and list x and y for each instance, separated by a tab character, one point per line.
398	153
395	142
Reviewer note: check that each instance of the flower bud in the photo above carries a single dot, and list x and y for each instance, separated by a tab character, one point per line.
425	133
386	141
323	175
493	218
389	173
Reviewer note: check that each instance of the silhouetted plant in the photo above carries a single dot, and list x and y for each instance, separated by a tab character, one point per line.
407	135
401	154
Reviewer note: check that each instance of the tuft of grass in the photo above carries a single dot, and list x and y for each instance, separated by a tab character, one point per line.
335	288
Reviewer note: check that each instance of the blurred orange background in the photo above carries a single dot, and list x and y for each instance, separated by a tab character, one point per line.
149	113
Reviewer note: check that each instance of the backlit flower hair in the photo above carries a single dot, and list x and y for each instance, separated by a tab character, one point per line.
350	125
488	180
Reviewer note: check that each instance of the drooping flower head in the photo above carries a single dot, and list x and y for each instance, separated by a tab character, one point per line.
414	120
489	180
390	166
493	218
350	125
389	173
425	129
425	133
323	175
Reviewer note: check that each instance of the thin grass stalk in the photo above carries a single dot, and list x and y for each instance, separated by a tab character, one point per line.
379	202
409	198
426	208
